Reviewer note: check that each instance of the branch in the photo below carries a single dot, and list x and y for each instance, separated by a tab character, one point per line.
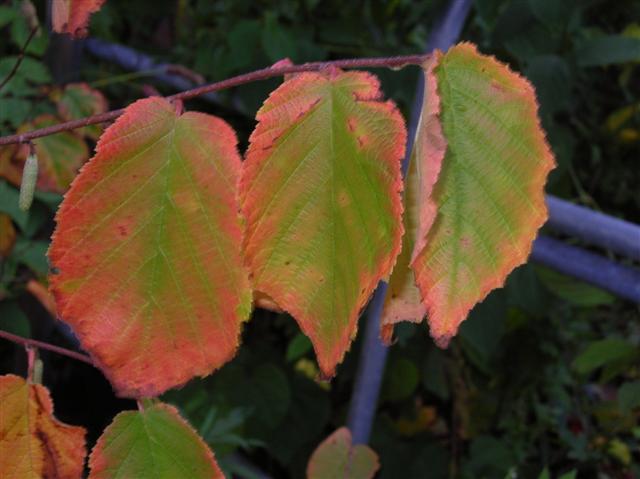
20	58
50	347
263	74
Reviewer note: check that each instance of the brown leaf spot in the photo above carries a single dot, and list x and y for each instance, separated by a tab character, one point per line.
343	198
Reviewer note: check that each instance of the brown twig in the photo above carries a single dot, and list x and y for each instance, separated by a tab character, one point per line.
258	75
20	58
42	345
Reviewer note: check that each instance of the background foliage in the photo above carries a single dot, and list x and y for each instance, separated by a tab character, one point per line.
544	376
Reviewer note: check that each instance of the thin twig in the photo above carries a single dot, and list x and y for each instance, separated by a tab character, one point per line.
50	347
20	58
263	74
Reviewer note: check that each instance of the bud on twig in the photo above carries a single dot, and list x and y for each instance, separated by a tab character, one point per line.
29	179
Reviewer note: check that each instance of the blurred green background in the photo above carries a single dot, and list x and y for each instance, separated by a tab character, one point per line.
543	380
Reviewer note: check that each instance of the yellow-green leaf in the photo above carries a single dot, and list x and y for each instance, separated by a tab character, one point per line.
155	443
482	161
336	457
321	196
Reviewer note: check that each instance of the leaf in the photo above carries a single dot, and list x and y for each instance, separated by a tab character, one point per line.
434	374
13	320
490	457
33	444
337	457
574	291
79	100
278	41
31	73
608	50
603	352
72	16
14	111
307	417
620	451
32	253
629	396
401	380
298	347
320	193
270	398
154	443
479	221
60	156
545	474
22	27
147	247
551	77
7	15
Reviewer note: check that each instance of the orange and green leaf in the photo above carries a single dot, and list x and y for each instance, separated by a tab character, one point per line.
336	457
72	16
146	253
33	444
320	192
155	443
480	219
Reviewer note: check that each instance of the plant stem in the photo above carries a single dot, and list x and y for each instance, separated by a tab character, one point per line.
263	74
50	347
20	58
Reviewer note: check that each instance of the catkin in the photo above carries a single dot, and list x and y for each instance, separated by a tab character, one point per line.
28	184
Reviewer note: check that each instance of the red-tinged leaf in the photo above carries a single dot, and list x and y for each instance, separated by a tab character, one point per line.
72	16
403	301
336	457
321	196
147	249
60	156
490	191
79	100
33	444
155	443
